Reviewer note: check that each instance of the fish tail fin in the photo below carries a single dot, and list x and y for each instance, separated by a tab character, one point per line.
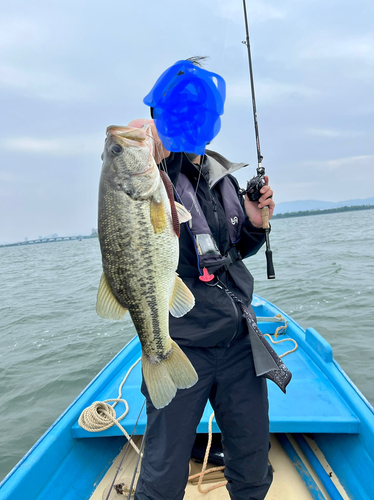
165	377
180	369
160	386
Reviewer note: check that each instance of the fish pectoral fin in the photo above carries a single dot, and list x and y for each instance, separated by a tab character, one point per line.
183	214
107	306
158	216
165	377
182	299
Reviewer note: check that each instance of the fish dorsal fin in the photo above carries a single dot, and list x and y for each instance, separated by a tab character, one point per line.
158	216
182	299
107	305
170	192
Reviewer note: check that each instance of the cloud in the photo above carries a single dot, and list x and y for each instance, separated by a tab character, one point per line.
326	47
73	67
76	145
295	188
9	177
348	163
332	133
257	11
269	91
350	58
15	33
46	85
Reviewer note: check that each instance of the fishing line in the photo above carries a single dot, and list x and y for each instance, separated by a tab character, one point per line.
163	165
198	180
224	47
159	148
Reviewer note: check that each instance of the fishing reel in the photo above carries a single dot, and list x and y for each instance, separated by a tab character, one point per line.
255	185
253	189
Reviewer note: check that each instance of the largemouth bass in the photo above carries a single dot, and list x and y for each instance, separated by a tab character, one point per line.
138	232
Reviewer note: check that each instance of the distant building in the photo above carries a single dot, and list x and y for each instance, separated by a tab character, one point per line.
26	238
94	231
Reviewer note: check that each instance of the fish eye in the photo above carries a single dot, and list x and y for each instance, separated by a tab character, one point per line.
116	149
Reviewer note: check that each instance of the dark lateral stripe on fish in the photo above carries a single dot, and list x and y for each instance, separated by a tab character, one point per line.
149	289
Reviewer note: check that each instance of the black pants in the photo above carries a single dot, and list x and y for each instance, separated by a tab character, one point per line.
239	399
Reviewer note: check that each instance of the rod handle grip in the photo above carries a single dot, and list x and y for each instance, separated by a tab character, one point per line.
269	264
265	217
268	252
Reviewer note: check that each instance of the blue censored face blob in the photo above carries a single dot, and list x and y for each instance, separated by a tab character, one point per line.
187	103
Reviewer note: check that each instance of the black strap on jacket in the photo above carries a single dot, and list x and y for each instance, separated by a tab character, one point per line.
188	271
232	255
267	362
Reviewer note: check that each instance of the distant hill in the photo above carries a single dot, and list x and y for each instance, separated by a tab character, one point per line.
304	213
302	205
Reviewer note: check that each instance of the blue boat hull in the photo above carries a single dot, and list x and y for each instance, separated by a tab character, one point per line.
68	462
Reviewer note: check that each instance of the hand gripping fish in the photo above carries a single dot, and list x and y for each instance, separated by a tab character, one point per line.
138	232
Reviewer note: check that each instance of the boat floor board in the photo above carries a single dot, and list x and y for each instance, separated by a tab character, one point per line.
287	484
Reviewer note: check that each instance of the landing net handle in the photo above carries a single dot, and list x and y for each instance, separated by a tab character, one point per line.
260	168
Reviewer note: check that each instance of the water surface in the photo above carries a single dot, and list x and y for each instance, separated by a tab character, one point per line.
53	343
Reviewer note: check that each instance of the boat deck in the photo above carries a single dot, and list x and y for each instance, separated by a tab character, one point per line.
287	483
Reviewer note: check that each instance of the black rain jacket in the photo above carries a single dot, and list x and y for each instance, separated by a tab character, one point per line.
215	319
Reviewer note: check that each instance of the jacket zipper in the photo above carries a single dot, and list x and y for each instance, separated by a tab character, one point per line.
216	218
215	209
212	200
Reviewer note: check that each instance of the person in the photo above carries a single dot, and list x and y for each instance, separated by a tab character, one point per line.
214	336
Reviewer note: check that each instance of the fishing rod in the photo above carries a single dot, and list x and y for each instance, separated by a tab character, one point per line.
256	183
118	487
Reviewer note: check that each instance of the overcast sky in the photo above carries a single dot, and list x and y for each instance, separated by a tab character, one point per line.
70	68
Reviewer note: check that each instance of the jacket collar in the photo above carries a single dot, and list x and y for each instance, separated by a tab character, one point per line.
219	167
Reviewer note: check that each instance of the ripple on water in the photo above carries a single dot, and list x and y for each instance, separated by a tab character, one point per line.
53	343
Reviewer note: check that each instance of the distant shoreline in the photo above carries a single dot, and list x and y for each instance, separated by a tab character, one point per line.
304	213
48	240
301	213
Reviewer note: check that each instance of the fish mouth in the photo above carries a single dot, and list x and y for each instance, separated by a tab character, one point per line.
131	136
128	134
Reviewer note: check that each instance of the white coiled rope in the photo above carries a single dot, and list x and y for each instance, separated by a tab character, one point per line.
101	415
